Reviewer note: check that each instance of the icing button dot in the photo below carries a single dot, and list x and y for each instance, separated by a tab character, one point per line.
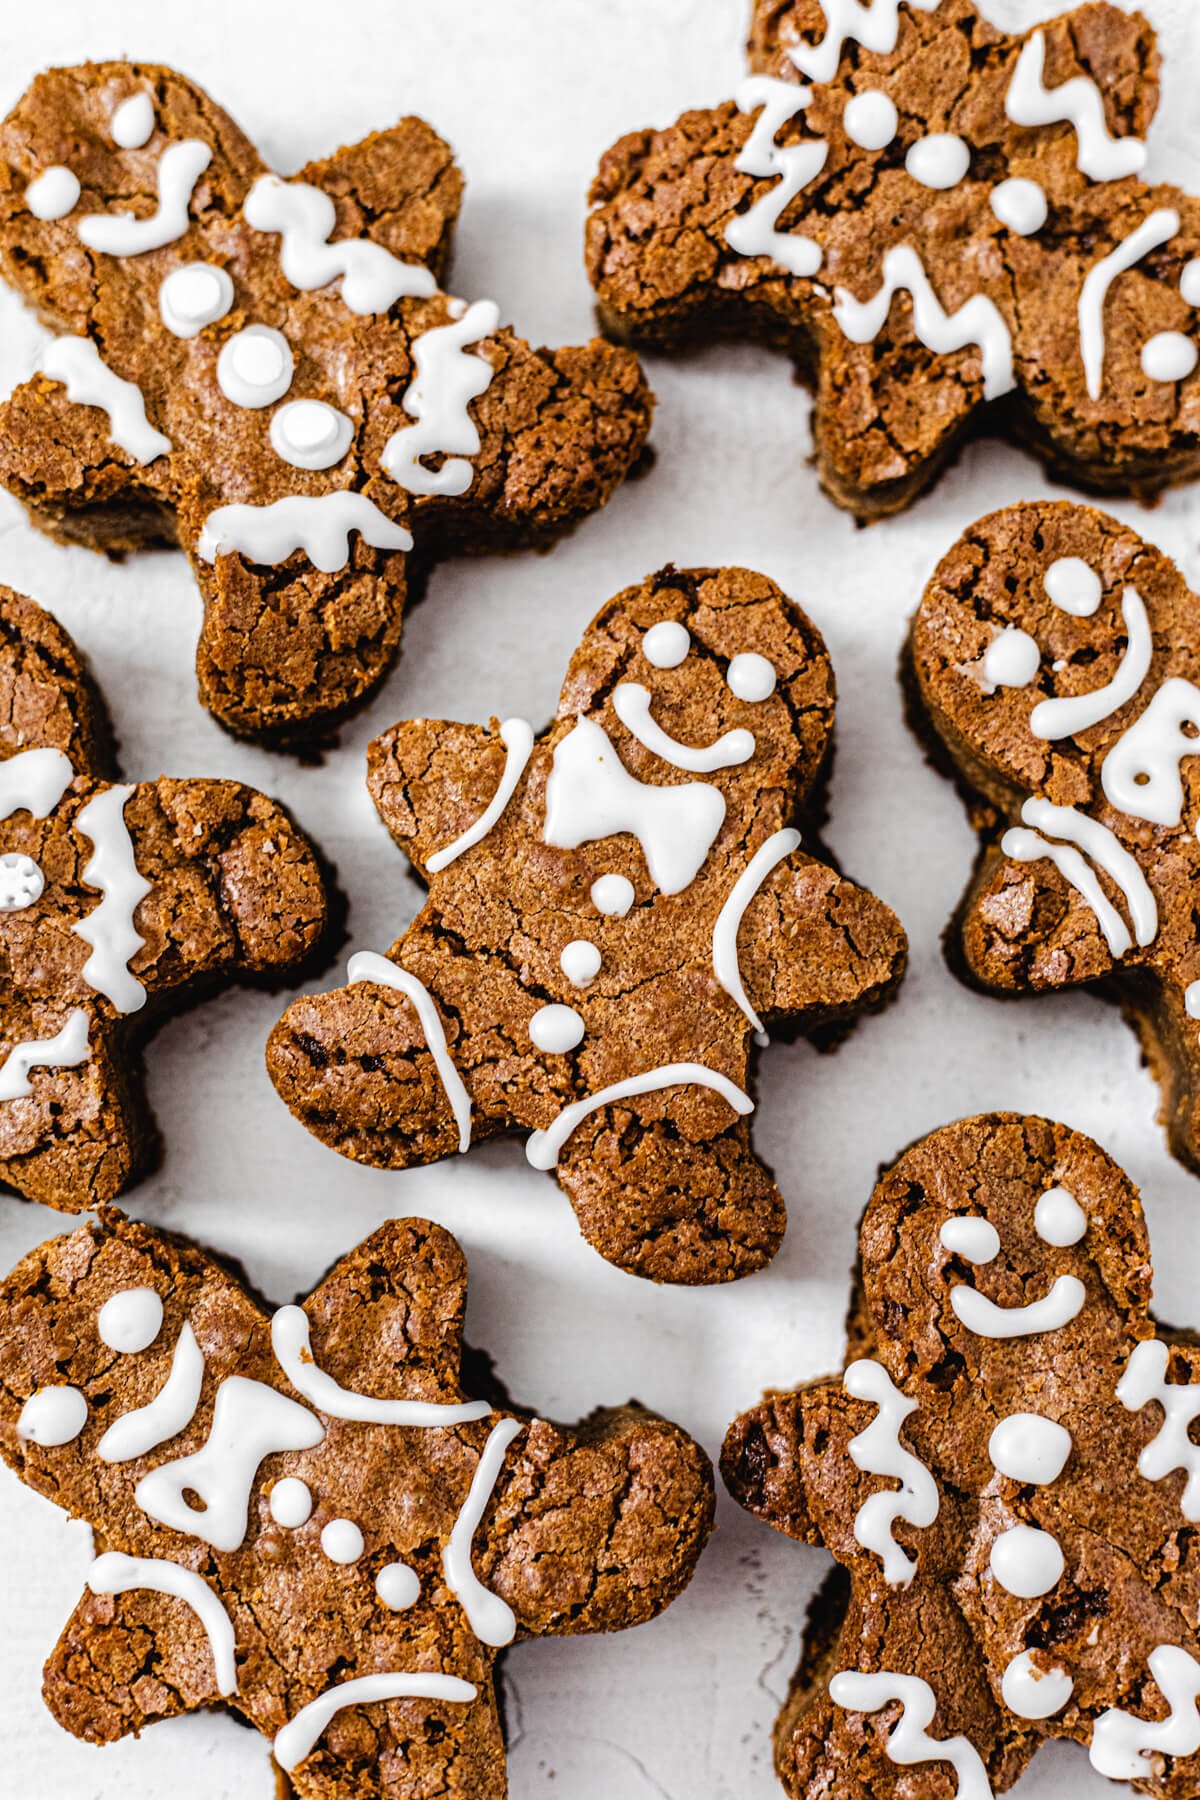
666	644
342	1541
398	1586
53	1416
613	895
1169	356
580	962
1189	282
130	1321
871	120
310	434
192	296
750	677
291	1503
1021	205
255	367
556	1029
938	161
21	882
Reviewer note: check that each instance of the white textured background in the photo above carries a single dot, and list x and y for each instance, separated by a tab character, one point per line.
530	92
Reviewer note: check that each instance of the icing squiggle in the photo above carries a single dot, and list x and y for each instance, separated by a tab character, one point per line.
1071	713
754	233
114	1573
447	379
366	965
490	1617
165	1416
1077	102
1158	229
1152	750
109	927
878	1451
77	364
318	524
121	234
908	1741
298	1738
372	278
631	703
1144	1380
765	860
1126	1748
292	1346
1054	1310
978	321
517	737
65	1050
543	1147
875	26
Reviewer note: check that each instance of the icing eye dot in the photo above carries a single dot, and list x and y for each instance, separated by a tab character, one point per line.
1191	1000
291	1503
871	120
612	894
556	1029
938	161
1073	586
1189	282
580	962
1058	1218
975	1239
1169	356
133	122
398	1586
21	882
310	435
1012	659
131	1321
342	1541
54	1415
666	644
255	367
750	677
1021	205
193	296
54	194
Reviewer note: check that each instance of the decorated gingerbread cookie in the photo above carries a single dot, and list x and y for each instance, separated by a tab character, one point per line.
617	910
300	1515
1007	1476
269	374
118	904
945	228
1057	656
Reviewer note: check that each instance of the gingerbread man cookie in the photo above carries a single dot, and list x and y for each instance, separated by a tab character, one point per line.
1005	1473
118	904
616	909
299	1515
1057	657
268	373
943	225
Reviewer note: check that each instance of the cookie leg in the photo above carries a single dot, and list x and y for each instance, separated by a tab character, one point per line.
662	1207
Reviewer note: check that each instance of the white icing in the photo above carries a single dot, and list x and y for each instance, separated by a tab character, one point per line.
342	1541
938	161
590	795
131	1320
1189	282
114	1573
543	1147
447	379
164	1417
53	1416
256	366
298	1738
293	1352
631	703
121	234
65	1050
1059	1219
1191	1000
750	677
1144	1380
109	927
1027	846
754	233
76	363
556	1029
1077	102
1073	586
318	524
1030	1449
1169	356
666	644
250	1421
1026	1562
33	781
580	962
1126	1748
1140	775
1098	842
310	434
1012	659
490	1617
517	737
878	1451
871	119
1020	204
397	1586
978	321
976	1240
53	194
908	1741
983	1317
290	1502
1158	229
133	122
21	882
875	26
365	965
612	895
726	968
372	278
1034	1693
192	296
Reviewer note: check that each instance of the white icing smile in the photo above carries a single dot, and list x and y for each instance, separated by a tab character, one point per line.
631	703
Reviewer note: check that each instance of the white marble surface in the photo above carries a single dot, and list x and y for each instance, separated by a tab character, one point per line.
530	92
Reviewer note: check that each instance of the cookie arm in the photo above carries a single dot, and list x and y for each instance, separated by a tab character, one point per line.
431	780
125	1661
400	187
1025	928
